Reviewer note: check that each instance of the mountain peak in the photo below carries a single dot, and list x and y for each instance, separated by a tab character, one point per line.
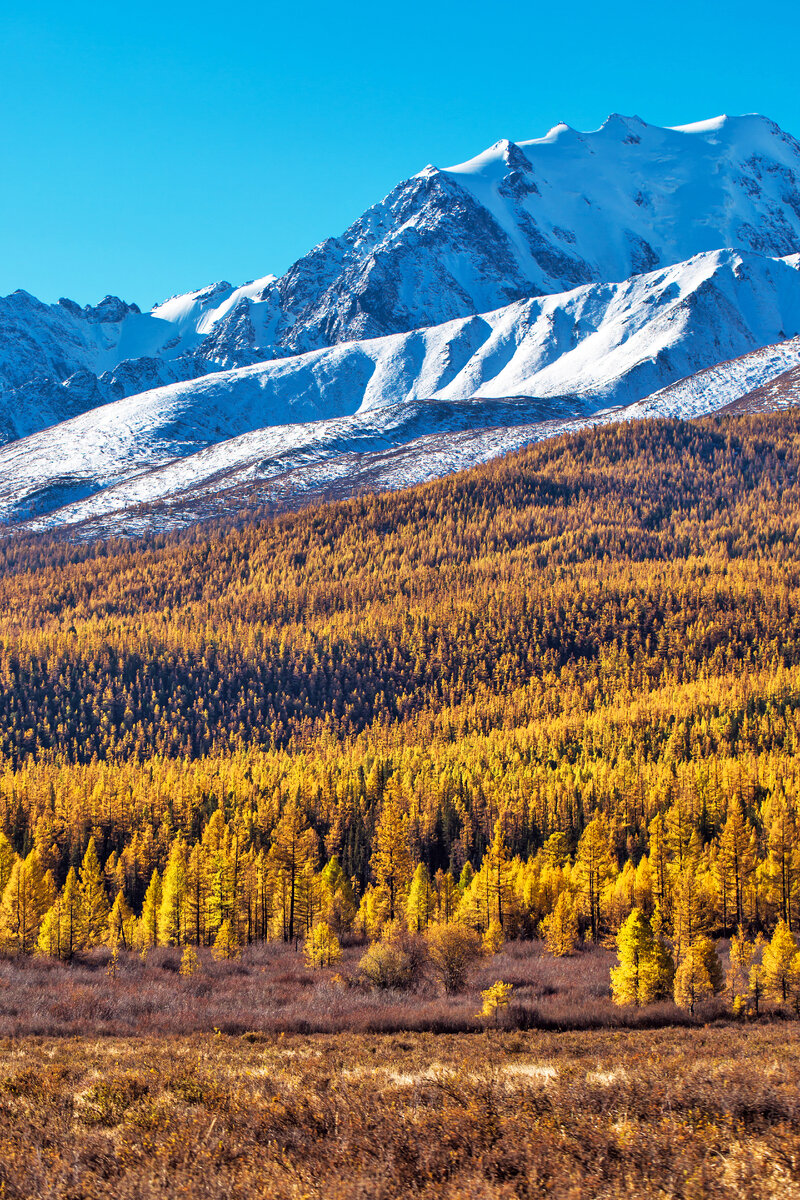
110	310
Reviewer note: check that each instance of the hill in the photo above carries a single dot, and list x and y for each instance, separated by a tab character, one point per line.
603	625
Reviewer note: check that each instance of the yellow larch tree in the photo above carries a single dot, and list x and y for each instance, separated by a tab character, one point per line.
560	928
8	857
63	927
147	929
741	956
644	971
391	859
121	925
172	911
779	962
594	866
421	901
294	846
735	863
28	895
94	906
692	979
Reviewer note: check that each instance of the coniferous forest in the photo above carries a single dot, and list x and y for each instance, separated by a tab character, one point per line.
465	817
556	696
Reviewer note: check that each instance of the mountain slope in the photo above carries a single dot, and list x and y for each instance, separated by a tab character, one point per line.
563	358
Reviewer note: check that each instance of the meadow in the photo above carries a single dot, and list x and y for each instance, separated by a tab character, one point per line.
269	989
702	1112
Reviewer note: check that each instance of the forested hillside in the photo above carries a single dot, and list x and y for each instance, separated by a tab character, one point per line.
574	671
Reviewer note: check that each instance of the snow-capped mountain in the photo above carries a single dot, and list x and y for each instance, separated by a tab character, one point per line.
571	278
533	217
57	360
522	219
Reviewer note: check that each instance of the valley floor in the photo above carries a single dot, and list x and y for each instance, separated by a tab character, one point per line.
268	988
668	1113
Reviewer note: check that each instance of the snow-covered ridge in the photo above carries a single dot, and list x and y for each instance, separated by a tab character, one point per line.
578	356
629	196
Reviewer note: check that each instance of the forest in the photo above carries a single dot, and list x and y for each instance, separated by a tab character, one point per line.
555	695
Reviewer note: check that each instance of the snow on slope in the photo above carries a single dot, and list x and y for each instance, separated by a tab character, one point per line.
387	448
58	360
782	391
579	353
719	386
543	216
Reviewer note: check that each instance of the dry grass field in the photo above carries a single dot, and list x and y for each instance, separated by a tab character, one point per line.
702	1112
259	1077
269	989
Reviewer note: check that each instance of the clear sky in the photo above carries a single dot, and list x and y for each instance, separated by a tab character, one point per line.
152	148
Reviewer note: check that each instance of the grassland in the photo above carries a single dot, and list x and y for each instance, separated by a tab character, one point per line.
666	1113
269	989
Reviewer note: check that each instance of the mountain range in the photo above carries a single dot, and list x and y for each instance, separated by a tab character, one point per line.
574	278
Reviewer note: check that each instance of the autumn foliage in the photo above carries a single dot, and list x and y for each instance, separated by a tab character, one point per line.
537	698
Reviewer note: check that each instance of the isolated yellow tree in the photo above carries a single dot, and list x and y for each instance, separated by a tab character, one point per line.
190	963
778	962
560	928
495	999
322	947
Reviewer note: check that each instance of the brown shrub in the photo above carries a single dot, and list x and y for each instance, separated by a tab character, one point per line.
453	950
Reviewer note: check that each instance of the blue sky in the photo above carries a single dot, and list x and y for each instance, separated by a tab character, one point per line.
152	148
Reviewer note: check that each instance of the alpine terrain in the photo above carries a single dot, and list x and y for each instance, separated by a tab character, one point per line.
575	278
